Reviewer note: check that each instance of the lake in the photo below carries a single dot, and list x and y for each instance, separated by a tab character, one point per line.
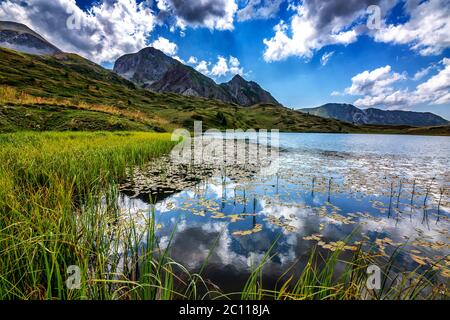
380	192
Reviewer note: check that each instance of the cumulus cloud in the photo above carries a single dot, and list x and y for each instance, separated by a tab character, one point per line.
427	31
220	68
316	24
259	9
376	88
391	100
165	46
437	88
422	73
103	33
223	67
203	67
326	57
192	60
213	14
235	66
374	82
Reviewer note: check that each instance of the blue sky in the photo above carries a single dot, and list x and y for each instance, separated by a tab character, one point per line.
306	53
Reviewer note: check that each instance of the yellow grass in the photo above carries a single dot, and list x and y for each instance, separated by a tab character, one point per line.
12	95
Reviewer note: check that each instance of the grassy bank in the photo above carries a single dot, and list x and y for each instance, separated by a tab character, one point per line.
51	217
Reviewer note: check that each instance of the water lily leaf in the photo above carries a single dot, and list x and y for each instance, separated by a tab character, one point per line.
257	228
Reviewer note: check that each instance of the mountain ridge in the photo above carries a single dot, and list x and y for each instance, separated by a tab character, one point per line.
68	92
64	91
373	116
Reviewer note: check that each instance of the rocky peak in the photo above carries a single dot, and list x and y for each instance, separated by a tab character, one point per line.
144	67
247	93
155	71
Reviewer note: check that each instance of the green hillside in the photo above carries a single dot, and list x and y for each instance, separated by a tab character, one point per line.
68	92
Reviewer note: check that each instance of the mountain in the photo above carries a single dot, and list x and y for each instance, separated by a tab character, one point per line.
145	67
185	80
155	71
67	92
21	38
247	93
372	116
64	91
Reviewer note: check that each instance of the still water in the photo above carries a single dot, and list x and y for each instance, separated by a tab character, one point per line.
331	191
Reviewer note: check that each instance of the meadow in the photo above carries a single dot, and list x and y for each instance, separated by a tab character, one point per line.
67	92
58	204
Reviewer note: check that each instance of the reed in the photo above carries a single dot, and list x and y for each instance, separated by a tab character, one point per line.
58	208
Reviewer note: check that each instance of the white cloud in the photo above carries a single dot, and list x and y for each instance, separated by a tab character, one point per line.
422	73
374	82
427	31
165	46
192	60
307	33
316	24
220	68
203	67
259	9
235	66
179	59
108	30
223	67
396	99
437	88
376	89
162	5
326	57
336	93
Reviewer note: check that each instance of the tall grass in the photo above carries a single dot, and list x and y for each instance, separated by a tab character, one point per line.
333	277
53	189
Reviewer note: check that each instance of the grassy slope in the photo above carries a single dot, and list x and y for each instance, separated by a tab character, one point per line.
50	117
70	79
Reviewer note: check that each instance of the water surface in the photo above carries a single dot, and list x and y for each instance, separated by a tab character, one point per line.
331	190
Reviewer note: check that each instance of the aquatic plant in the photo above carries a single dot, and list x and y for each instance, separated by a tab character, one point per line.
59	209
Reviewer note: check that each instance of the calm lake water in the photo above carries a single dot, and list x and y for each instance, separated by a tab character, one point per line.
383	191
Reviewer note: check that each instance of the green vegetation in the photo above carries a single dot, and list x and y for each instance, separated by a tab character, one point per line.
67	92
332	278
58	190
51	188
58	204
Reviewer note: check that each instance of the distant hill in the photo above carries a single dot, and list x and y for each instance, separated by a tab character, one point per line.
158	72
372	116
247	93
21	38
